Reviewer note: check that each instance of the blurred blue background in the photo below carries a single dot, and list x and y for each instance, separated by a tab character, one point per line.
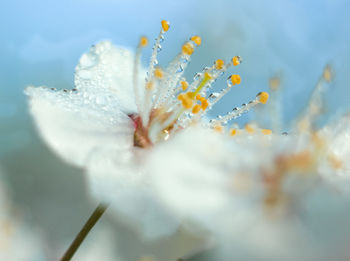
41	42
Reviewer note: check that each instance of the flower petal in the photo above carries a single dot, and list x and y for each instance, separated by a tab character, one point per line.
336	169
74	125
188	173
107	69
121	179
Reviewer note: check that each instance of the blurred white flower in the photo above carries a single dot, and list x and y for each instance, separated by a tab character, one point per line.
110	122
336	169
18	242
262	196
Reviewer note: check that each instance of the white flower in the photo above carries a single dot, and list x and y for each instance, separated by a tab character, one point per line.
336	167
261	196
113	118
18	242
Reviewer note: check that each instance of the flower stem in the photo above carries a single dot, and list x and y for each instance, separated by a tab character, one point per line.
95	216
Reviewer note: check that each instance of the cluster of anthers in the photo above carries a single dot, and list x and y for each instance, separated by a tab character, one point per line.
170	103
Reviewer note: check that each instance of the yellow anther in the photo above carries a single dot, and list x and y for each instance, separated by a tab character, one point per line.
158	73
196	39
149	85
335	162
190	95
236	61
327	73
274	83
196	109
204	104
187	49
219	64
143	41
218	128
184	85
165	25
198	97
187	103
207	76
266	131
249	128
235	79
180	97
233	132
263	97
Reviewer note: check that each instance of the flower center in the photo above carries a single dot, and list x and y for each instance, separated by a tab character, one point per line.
167	103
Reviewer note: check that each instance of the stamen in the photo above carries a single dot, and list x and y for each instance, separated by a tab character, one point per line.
142	43
219	64
233	132
174	71
207	77
215	97
188	48
275	103
316	101
171	104
158	73
249	128
196	109
274	83
165	25
149	85
149	92
184	85
262	97
218	128
236	60
237	112
266	131
196	39
235	79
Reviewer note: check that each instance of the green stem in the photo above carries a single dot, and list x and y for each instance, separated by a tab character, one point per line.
95	216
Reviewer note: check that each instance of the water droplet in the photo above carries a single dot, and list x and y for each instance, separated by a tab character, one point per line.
214	95
161	39
100	100
85	74
180	69
88	60
197	76
184	60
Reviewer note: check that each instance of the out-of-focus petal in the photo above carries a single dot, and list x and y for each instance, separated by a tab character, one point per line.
188	173
18	242
336	167
74	125
119	177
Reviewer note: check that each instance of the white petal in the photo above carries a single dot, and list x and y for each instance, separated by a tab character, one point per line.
338	136
74	125
108	69
18	241
188	173
118	177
